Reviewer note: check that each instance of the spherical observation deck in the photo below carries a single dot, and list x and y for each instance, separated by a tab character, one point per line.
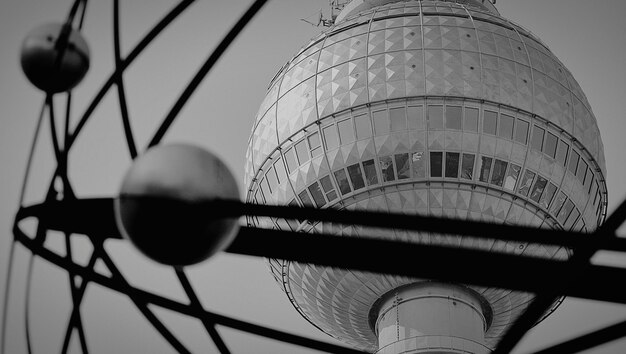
438	108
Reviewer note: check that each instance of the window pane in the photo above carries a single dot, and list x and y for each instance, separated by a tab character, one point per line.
363	126
416	117
582	171
342	181
402	165
573	162
538	188
314	140
467	167
355	176
346	132
332	195
565	211
418	165
499	169
537	141
318	197
506	126
489	122
370	172
265	188
588	180
397	116
521	131
558	203
546	198
331	137
471	119
527	181
561	153
452	164
453	117
327	184
302	152
386	167
271	178
485	169
304	197
290	158
280	170
381	122
435	117
435	164
571	219
511	177
550	147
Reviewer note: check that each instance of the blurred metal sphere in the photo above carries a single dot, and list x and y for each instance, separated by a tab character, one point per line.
41	62
158	211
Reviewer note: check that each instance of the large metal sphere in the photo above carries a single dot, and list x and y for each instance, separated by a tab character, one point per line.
441	108
158	209
41	62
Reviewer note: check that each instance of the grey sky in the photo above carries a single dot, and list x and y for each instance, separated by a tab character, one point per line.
587	36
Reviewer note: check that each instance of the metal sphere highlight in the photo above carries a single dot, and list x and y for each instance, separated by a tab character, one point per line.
159	209
54	57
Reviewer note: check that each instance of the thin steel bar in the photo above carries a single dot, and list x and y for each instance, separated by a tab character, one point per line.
31	154
82	15
29	278
75	317
195	303
119	82
204	70
5	305
141	304
588	341
145	41
579	266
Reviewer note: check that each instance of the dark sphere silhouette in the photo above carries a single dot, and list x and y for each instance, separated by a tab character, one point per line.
161	207
54	57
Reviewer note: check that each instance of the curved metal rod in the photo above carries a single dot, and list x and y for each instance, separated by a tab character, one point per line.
31	153
119	82
123	287
145	41
29	278
5	305
204	70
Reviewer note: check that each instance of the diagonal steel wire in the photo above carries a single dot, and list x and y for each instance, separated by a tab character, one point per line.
588	341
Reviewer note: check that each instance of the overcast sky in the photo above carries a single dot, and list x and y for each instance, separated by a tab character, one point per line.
587	36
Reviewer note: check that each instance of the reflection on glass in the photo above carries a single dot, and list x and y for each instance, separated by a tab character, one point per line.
467	166
471	119
573	162
527	181
435	117
511	177
363	126
453	117
386	166
354	171
418	165
521	132
370	172
546	198
290	158
331	137
485	169
328	187
397	116
561	153
550	147
538	188
318	197
342	181
565	211
499	169
537	140
346	132
416	117
490	122
301	151
558	203
381	122
305	199
402	165
506	126
452	164
436	164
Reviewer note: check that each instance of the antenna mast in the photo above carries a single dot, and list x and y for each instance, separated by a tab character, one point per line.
335	8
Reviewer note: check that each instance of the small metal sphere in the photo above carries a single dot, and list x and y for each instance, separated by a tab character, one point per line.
42	64
158	207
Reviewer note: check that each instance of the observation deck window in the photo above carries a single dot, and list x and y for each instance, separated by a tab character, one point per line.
356	177
415	116
526	182
290	159
485	169
538	189
565	211
381	122
551	145
506	126
470	123
435	117
369	167
546	198
436	164
386	167
558	203
397	116
467	166
315	144
280	170
342	181
581	172
490	121
346	131
402	166
561	153
328	187
302	152
453	117
418	165
305	199
272	179
573	162
499	169
572	219
317	195
452	164
521	131
363	126
511	176
537	141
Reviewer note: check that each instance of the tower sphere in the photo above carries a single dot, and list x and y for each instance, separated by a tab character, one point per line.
51	64
158	207
440	108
